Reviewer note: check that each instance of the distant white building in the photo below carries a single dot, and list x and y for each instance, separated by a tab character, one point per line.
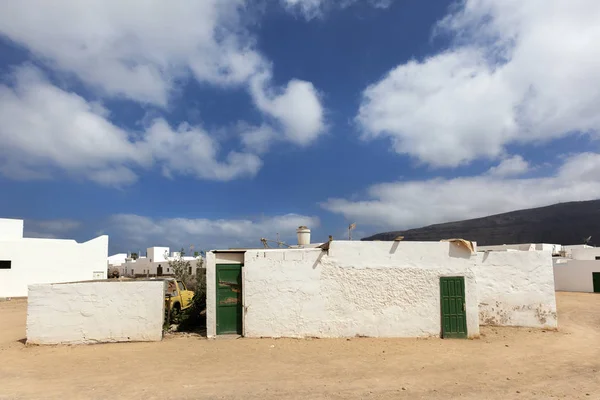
117	259
26	261
576	267
155	263
579	270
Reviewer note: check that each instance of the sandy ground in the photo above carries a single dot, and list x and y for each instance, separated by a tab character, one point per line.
506	363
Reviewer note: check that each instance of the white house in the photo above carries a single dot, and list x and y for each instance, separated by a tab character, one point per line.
580	271
26	261
378	289
155	263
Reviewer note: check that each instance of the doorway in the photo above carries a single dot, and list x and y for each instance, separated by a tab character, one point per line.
596	281
229	298
453	307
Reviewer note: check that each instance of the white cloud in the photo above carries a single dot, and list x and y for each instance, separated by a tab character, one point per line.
512	166
297	108
44	126
135	48
140	231
315	8
257	138
521	71
403	205
139	50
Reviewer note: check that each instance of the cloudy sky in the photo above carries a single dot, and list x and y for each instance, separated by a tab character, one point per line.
214	123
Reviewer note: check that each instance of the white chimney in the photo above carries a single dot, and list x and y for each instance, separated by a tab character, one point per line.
303	235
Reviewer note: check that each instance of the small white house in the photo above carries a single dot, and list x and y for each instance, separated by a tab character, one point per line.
377	289
580	272
26	261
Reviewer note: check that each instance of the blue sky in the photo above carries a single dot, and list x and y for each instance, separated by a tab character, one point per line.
216	123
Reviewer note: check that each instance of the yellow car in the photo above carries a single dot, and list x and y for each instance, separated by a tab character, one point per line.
177	295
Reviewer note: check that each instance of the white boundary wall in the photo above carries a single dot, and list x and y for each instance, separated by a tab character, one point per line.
516	288
95	312
575	275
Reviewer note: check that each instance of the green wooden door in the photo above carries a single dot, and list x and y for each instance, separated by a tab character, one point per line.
229	299
454	317
596	280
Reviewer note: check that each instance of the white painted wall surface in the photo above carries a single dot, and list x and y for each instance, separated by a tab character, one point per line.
35	261
156	254
11	229
116	259
575	275
516	289
95	312
586	253
554	248
376	289
569	248
504	247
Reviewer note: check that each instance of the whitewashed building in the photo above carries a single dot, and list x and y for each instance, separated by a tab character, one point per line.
26	261
155	263
377	289
579	271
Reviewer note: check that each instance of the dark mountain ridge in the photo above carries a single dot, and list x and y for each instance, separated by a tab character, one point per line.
563	223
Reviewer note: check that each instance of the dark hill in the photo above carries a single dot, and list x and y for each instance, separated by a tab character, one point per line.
563	223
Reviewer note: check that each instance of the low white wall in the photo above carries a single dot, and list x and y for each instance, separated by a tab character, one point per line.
516	289
376	289
575	275
95	312
36	261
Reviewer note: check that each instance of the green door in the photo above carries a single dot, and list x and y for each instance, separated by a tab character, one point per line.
454	318
596	280
229	299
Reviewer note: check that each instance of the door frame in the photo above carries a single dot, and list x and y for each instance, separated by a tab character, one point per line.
241	305
595	278
453	335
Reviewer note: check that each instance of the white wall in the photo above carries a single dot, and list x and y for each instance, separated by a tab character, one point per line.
569	249
554	248
516	288
586	253
11	229
372	291
48	261
501	247
156	254
95	312
575	275
116	259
